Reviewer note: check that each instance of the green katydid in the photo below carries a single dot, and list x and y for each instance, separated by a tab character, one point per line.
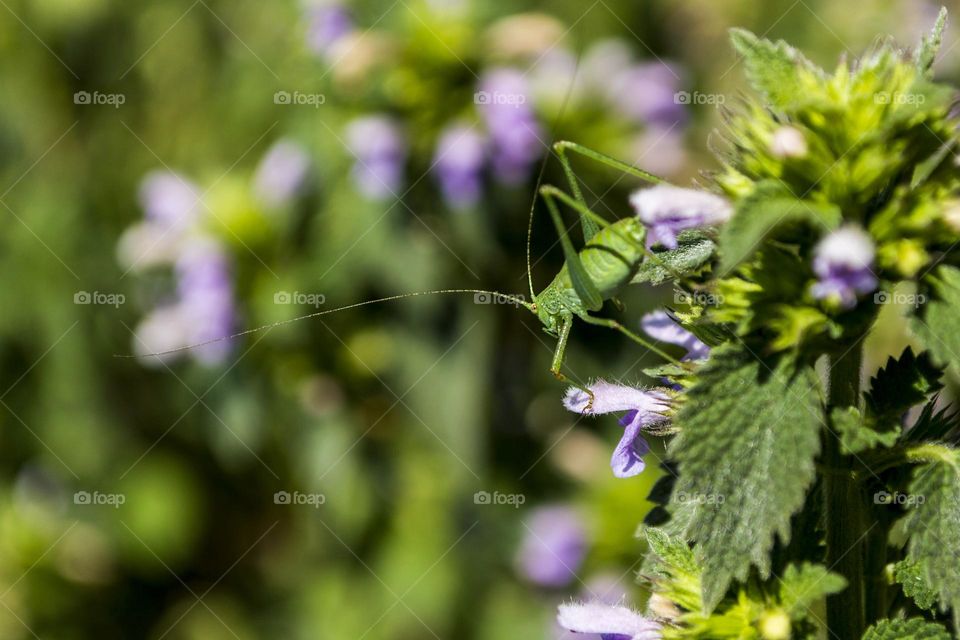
602	268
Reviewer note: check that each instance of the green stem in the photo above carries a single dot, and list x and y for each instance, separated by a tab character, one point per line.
846	510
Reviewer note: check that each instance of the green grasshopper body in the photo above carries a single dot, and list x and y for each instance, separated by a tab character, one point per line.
607	263
610	259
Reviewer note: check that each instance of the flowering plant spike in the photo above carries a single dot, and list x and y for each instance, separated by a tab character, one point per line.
801	501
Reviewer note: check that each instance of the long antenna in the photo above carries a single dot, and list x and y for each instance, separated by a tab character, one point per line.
543	169
495	295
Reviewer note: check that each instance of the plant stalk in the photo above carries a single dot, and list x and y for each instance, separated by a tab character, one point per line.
845	507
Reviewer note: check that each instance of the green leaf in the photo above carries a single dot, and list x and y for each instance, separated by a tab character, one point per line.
912	629
933	524
910	577
775	69
929	46
746	449
935	424
694	251
902	383
761	213
856	435
939	325
803	585
673	569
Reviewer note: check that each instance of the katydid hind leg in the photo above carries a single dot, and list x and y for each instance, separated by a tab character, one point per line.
585	288
588	226
607	160
616	326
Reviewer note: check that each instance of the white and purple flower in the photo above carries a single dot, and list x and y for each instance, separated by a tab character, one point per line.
327	24
660	326
612	622
667	210
515	133
644	408
458	163
169	200
380	148
843	264
282	173
554	546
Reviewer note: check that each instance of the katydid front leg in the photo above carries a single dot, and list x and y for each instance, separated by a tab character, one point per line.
563	334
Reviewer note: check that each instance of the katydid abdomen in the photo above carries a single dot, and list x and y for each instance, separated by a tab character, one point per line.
611	259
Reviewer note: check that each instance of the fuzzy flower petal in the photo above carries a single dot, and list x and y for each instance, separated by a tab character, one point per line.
667	210
613	622
660	326
843	263
644	407
627	459
609	397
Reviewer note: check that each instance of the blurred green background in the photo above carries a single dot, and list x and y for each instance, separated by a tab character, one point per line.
328	478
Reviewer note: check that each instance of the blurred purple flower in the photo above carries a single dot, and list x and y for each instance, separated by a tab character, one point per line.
659	149
644	407
380	149
515	134
281	173
667	210
554	546
326	25
843	263
660	326
162	329
612	622
205	290
458	162
169	199
647	92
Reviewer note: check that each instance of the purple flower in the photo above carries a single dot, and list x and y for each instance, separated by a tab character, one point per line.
163	329
282	173
554	546
380	149
843	263
644	407
647	92
327	25
205	290
660	326
458	162
169	199
667	210
514	131
612	622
